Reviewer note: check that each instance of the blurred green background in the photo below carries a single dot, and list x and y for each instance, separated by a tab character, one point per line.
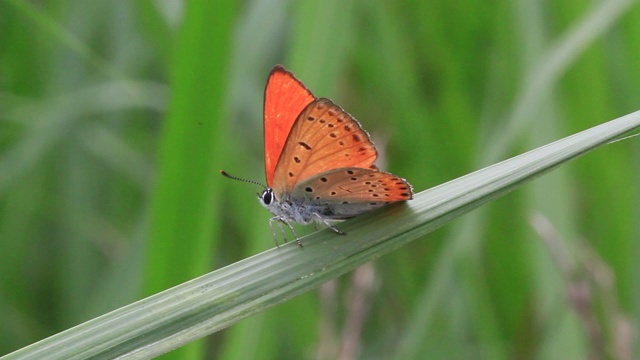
115	117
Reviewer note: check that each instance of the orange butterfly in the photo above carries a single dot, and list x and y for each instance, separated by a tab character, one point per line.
318	159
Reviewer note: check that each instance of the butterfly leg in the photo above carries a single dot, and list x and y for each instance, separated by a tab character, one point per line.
284	233
294	233
273	231
324	221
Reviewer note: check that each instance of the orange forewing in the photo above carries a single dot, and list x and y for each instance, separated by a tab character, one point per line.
324	138
284	99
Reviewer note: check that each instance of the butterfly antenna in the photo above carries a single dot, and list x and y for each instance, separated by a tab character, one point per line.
225	174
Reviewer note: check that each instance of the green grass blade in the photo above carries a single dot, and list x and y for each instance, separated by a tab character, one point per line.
177	316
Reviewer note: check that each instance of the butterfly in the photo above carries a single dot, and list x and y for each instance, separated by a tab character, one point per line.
318	160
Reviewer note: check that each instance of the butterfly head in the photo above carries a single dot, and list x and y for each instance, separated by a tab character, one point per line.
266	197
283	210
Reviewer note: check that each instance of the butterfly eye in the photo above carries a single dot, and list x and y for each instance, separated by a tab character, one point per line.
267	196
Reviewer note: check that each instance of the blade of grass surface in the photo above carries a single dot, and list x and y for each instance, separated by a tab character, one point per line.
167	320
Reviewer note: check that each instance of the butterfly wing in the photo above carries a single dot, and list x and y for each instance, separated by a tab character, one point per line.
284	99
323	138
347	192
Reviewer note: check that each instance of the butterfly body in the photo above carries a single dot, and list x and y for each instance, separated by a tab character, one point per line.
334	195
318	159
